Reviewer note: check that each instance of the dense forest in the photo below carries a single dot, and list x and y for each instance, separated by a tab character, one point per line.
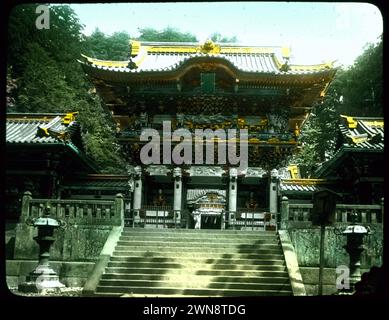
43	75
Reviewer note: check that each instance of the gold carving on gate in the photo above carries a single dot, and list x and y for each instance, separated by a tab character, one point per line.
207	66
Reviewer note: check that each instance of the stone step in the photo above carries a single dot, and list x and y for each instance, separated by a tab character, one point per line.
197	251
183	278
195	248
194	284
213	261
197	244
212	240
186	264
191	233
191	243
221	254
208	292
183	230
196	271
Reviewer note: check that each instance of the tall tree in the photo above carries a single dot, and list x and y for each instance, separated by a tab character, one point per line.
101	46
43	64
168	34
361	84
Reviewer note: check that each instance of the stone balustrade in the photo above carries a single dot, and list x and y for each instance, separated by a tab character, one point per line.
72	211
299	215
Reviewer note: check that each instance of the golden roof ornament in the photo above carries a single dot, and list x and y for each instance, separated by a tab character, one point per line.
210	47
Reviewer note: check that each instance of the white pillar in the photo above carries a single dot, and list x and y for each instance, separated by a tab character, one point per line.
273	186
232	194
177	202
137	192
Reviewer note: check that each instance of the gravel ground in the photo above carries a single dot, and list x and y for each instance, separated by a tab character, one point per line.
64	292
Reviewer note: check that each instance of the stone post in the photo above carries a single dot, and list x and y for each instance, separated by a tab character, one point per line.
177	202
382	212
119	210
25	214
232	195
284	212
137	193
128	199
273	191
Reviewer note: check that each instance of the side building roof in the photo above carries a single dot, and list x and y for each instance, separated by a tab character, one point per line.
357	135
48	130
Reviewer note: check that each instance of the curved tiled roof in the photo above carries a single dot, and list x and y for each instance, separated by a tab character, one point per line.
264	63
24	130
45	130
358	134
301	185
298	187
150	57
366	133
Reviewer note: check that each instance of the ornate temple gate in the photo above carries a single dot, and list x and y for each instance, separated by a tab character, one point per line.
165	87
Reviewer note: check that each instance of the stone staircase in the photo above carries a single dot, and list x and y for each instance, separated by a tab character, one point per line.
187	262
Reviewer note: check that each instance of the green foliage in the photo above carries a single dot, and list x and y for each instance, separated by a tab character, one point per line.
217	37
10	87
114	47
46	77
168	34
361	84
43	87
61	40
98	136
318	137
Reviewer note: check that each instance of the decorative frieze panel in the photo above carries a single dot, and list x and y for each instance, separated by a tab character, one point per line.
158	170
205	171
255	172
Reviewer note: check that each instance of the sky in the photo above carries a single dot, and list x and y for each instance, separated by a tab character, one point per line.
315	32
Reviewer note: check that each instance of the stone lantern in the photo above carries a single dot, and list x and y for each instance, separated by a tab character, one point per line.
43	277
354	247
